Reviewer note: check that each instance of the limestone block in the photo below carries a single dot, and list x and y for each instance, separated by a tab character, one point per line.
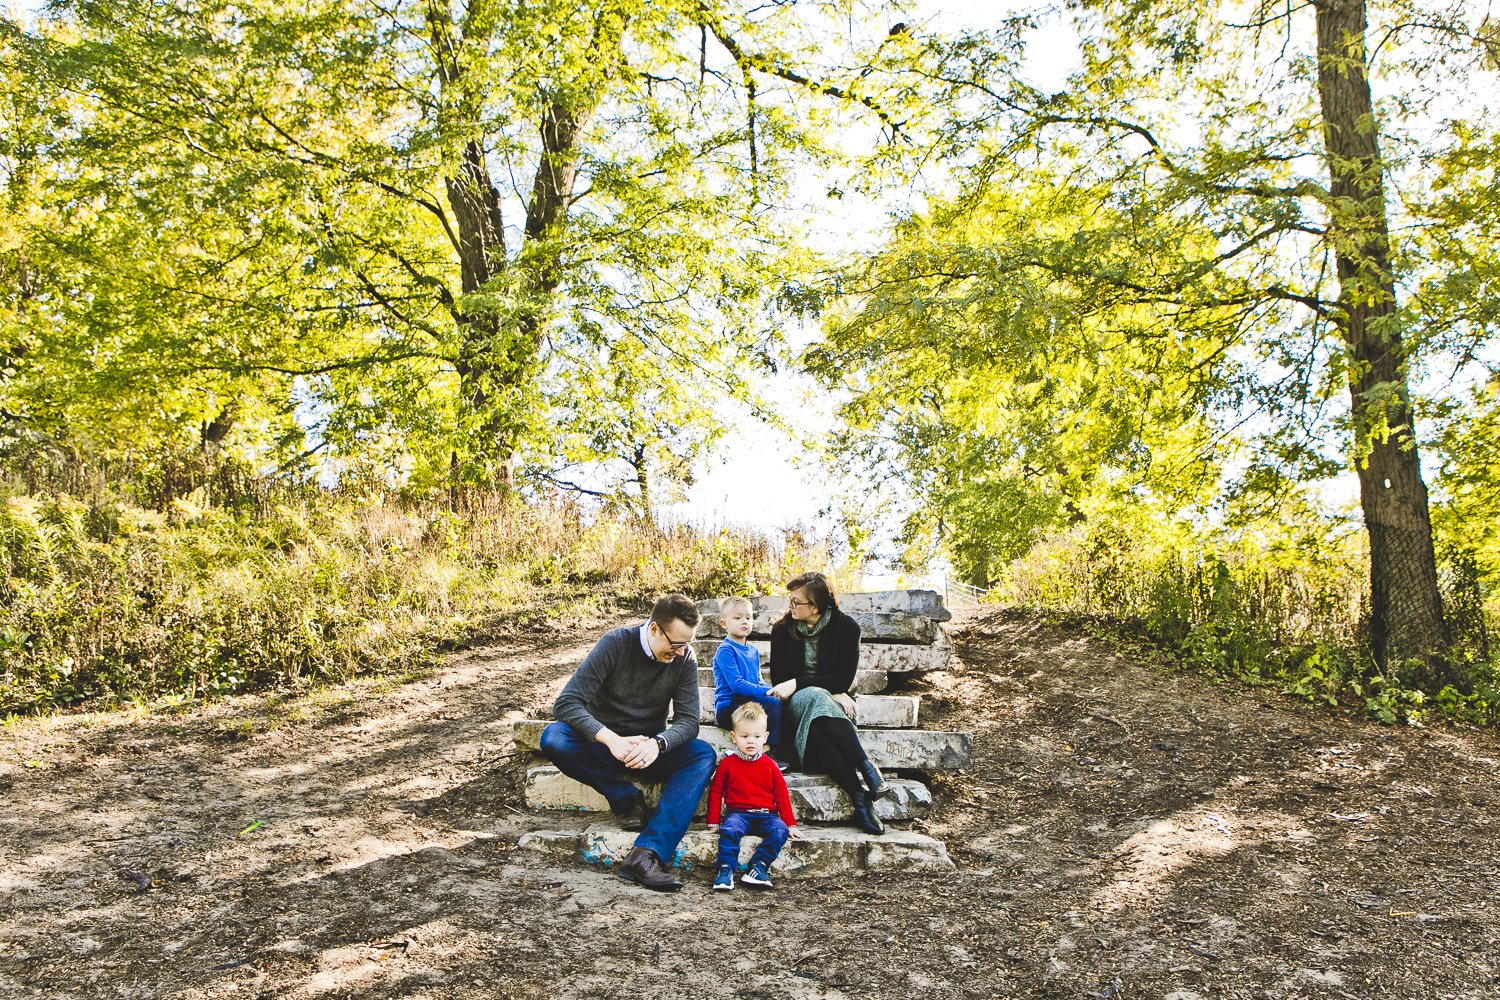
928	603
826	851
902	659
877	711
549	788
894	658
865	681
815	797
915	749
899	854
874	626
704	650
886	711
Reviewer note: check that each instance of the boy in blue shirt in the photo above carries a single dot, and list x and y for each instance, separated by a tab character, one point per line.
737	677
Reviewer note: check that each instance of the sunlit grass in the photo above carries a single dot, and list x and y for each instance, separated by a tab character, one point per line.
109	603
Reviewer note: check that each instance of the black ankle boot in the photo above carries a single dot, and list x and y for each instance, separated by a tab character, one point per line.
864	814
874	780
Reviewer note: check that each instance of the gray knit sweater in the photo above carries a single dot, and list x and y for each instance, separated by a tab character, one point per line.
618	686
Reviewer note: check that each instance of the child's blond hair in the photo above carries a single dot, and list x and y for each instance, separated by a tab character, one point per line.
750	711
729	604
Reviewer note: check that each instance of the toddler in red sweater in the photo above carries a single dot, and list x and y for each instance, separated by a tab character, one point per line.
750	794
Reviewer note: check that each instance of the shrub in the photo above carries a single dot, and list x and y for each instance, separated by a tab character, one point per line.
111	601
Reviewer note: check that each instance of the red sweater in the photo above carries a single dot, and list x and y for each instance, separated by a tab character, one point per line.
741	784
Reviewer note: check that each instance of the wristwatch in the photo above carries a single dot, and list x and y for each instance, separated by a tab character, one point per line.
661	742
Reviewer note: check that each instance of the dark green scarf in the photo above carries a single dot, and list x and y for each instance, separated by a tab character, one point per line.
809	642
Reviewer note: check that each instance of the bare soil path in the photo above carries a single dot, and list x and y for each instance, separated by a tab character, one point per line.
1123	832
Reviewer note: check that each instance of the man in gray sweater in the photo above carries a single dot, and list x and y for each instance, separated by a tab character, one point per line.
611	729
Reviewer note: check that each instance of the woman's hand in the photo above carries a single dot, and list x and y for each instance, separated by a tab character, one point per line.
845	702
785	689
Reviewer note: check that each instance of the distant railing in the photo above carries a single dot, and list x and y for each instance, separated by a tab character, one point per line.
963	595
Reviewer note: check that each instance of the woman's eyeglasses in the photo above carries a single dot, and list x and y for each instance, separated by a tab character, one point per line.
802	604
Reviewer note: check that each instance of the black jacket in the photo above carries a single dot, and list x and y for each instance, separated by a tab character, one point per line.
838	653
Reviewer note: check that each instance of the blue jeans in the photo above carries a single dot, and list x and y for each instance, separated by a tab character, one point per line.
767	826
683	772
770	703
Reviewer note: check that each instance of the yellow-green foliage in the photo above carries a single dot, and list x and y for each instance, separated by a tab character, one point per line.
1282	602
118	602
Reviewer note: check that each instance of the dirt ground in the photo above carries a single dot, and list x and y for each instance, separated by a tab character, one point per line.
1124	831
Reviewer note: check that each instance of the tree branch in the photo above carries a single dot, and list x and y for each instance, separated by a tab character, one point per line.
748	61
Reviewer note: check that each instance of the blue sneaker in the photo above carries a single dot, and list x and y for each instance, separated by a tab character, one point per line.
757	876
725	879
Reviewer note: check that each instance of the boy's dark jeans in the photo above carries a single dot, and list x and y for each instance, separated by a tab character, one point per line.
767	826
683	772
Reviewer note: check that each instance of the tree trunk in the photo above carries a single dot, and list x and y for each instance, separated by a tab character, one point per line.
641	462
497	352
1406	607
495	358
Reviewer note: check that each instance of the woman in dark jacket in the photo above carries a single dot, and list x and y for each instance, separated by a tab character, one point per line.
814	655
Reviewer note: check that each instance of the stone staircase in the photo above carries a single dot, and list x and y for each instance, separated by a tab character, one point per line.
901	634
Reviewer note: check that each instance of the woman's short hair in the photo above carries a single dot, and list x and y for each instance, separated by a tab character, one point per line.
818	589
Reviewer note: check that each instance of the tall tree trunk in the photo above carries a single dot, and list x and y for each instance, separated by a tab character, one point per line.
1406	606
642	465
498	352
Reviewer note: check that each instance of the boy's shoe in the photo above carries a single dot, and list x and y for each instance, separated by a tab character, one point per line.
757	876
725	880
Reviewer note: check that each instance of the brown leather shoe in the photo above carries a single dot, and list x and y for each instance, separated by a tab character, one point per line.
633	819
642	867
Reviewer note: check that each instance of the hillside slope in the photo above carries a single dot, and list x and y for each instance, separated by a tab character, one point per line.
1122	832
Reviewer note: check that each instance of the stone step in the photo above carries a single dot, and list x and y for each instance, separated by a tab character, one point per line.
874	626
815	797
895	658
928	603
865	681
826	851
704	650
877	711
912	749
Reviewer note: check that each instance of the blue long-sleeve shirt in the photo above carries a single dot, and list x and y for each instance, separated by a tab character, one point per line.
736	674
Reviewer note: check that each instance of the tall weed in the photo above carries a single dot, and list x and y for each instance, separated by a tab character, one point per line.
1281	605
107	600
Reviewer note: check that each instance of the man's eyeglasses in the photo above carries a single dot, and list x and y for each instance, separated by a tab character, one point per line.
675	646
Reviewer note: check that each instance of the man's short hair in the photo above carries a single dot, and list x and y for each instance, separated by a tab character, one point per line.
675	607
750	711
729	604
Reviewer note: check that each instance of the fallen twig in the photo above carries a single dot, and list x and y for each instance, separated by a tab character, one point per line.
231	965
1117	722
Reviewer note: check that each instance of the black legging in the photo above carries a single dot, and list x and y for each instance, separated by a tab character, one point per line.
833	748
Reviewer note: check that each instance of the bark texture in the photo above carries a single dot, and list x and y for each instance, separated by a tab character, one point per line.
1406	605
